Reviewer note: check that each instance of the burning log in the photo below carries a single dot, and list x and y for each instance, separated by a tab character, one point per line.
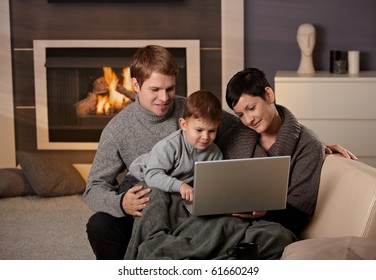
130	94
108	96
87	106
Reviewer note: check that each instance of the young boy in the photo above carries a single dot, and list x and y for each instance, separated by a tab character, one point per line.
169	165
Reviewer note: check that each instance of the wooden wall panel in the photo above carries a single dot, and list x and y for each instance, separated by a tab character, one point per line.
23	78
189	19
26	134
211	71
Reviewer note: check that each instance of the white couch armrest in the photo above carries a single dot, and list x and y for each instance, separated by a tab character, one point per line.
346	203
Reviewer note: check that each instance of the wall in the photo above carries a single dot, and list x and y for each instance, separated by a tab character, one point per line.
271	25
187	19
270	41
270	38
7	143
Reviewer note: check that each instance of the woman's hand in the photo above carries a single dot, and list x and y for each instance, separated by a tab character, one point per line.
135	200
250	215
335	148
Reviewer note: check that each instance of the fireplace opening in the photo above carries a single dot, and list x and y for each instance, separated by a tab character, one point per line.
70	73
86	87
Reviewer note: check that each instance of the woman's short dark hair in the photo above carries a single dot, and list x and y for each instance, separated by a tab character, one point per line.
250	81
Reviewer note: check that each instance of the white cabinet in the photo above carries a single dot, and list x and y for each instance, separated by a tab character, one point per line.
341	109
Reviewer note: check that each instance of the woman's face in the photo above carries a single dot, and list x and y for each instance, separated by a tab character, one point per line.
255	112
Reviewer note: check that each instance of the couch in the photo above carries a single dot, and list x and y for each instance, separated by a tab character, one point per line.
343	226
344	223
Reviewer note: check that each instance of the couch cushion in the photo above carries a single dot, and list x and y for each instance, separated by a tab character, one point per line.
332	248
14	183
50	175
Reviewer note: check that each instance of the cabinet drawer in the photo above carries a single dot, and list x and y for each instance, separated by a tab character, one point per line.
328	100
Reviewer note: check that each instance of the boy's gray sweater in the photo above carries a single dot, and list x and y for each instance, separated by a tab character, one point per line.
171	162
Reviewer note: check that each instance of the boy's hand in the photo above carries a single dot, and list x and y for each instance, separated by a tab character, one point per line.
186	192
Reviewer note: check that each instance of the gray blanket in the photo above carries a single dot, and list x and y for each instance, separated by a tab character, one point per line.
166	230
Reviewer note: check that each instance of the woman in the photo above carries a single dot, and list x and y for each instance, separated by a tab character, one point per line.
267	130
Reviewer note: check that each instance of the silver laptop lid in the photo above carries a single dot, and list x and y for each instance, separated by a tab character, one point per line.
240	185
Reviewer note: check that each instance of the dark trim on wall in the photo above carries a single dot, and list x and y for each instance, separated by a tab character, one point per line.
111	1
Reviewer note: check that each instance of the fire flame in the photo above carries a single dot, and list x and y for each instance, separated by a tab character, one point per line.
108	96
127	82
115	100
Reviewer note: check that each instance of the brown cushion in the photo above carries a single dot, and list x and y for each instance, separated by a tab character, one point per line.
50	175
332	248
14	183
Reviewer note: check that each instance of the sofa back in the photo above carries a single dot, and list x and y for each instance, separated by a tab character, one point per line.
346	204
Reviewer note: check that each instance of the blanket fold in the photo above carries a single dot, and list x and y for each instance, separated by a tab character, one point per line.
166	230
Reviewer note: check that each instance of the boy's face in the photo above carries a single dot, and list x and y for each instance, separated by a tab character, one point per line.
156	93
200	133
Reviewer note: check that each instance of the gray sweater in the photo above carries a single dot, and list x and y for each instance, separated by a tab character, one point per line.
131	133
171	162
293	139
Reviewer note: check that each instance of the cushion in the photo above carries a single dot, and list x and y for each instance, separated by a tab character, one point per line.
332	248
50	175
14	183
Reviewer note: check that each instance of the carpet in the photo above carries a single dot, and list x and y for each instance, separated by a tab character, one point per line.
41	228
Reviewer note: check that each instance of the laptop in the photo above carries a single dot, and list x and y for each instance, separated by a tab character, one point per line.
239	185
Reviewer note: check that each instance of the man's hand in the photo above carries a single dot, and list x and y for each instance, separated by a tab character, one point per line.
135	200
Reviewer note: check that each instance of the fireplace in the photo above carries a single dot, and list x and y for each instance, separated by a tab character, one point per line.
81	84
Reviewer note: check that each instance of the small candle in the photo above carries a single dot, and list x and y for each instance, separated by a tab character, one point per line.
353	62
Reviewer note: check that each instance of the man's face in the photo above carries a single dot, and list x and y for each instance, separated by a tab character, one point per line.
156	93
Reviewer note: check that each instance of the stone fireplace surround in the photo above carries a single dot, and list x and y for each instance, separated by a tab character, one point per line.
232	50
192	48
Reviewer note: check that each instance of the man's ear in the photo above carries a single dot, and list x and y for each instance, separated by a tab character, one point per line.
135	85
183	124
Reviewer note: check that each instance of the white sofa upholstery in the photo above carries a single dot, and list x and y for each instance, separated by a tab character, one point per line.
344	223
346	203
